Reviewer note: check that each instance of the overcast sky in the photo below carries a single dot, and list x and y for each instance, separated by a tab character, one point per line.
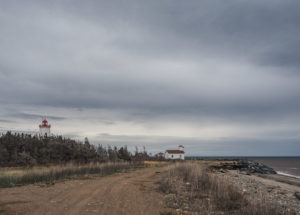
219	77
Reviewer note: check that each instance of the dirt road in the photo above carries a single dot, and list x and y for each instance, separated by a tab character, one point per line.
124	193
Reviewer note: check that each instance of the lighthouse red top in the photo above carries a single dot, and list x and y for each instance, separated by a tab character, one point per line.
45	124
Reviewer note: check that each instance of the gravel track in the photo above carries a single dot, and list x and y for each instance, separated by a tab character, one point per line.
123	193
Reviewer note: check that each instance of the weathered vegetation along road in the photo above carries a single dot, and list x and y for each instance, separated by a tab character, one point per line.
130	193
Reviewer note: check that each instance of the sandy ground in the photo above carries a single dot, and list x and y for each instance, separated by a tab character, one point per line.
124	193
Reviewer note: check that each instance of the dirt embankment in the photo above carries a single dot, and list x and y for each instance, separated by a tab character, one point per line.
124	193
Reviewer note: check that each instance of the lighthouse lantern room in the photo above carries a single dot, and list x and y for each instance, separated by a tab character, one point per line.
45	128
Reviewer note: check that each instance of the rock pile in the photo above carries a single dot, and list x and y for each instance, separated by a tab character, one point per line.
245	165
254	167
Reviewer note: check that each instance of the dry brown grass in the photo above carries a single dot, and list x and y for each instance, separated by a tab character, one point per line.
10	177
191	188
155	163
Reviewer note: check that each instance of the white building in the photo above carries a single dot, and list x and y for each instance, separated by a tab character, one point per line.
44	129
175	154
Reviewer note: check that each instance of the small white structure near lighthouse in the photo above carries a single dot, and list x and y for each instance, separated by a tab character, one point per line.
175	154
44	129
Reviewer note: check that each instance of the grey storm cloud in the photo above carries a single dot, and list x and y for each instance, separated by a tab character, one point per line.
4	120
170	61
34	116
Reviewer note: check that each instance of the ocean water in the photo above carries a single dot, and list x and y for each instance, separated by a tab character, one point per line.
289	166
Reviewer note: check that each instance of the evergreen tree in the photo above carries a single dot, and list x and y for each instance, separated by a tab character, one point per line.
25	149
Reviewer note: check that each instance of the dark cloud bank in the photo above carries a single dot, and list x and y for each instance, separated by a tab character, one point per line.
203	63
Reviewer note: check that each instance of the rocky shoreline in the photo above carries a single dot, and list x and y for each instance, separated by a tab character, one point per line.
259	181
229	187
266	189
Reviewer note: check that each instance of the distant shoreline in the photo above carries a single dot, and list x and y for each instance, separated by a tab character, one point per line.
288	166
288	175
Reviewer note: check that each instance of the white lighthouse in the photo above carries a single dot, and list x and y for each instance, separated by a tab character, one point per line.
45	129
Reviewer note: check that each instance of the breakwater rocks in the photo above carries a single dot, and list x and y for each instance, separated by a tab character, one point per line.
254	167
248	166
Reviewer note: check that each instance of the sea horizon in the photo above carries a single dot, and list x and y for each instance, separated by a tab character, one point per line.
283	165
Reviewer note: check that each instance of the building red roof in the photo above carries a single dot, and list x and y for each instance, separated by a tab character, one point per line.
175	151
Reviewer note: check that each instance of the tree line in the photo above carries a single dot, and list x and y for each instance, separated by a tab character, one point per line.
26	150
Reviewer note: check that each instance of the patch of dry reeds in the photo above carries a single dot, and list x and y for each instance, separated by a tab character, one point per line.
11	178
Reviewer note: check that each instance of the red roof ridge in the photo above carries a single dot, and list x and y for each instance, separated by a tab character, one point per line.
175	151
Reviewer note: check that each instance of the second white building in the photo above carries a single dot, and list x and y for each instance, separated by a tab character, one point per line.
174	154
